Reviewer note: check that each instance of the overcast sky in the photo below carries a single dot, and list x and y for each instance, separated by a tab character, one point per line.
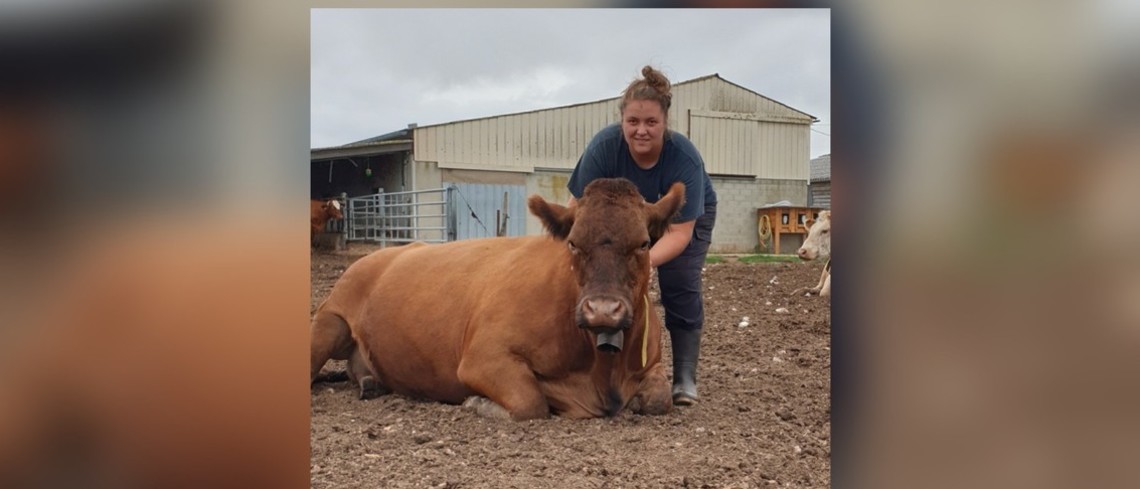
377	70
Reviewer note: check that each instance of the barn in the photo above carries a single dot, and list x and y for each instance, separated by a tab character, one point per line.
470	178
819	187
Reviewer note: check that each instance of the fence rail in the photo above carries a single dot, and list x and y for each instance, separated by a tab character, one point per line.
401	217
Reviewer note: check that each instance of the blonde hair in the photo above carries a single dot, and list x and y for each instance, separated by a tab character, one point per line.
652	86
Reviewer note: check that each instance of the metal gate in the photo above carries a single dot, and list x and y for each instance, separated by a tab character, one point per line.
401	217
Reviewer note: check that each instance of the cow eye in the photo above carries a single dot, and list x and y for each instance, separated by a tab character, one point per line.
645	245
825	231
573	249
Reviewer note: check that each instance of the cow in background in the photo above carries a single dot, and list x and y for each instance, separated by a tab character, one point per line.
816	245
320	212
518	327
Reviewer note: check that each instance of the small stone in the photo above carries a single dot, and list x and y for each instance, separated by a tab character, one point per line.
782	310
421	438
797	449
777	359
742	324
767	303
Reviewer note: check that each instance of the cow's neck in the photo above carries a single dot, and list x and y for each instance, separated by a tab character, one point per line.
611	368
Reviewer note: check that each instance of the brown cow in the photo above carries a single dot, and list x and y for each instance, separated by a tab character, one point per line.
520	327
320	211
818	244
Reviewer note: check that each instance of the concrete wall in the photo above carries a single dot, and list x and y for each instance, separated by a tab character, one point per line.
737	200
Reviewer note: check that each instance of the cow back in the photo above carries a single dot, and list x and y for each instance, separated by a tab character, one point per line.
414	309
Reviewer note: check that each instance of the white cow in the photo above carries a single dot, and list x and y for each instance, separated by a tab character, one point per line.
818	244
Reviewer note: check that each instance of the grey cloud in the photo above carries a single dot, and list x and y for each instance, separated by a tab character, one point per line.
375	71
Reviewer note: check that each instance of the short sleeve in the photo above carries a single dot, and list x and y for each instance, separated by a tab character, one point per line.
694	181
589	168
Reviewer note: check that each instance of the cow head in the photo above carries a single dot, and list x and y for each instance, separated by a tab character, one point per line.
818	241
608	233
332	209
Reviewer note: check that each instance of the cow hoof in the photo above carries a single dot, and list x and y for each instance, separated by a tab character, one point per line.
486	408
682	399
370	388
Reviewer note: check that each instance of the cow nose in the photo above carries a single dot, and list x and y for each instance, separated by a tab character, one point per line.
803	253
603	311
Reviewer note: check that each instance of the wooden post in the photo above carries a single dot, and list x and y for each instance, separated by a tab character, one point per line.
776	236
501	227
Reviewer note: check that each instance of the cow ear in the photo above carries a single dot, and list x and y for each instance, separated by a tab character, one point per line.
661	213
825	215
555	218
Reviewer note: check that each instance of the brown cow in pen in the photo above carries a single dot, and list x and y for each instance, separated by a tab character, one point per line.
320	212
520	327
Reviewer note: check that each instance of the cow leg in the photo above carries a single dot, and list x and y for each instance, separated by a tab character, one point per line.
824	281
360	371
329	337
825	287
655	395
486	408
506	381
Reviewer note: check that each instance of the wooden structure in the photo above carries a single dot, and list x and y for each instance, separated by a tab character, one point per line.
775	220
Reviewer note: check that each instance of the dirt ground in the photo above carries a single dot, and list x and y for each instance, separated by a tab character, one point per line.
763	419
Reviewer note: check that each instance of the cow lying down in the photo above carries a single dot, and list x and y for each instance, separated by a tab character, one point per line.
816	245
521	327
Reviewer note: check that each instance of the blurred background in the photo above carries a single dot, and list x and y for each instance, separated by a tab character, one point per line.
154	274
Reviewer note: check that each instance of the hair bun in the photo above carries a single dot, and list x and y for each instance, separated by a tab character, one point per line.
655	79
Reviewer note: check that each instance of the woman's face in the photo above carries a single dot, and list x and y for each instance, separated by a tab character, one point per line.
643	124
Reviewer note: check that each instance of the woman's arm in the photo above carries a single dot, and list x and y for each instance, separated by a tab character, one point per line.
672	243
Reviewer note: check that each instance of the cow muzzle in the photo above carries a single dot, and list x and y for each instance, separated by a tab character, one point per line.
607	318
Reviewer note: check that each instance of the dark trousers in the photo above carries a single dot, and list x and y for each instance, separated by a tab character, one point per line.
680	278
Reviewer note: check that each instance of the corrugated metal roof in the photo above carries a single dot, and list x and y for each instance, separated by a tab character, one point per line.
405	134
821	168
686	82
367	143
362	148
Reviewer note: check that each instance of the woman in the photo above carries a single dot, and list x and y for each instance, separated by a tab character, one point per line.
643	149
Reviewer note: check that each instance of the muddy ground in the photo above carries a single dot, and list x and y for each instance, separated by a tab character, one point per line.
763	420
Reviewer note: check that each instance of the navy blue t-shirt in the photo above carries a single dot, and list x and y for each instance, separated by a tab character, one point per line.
607	156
